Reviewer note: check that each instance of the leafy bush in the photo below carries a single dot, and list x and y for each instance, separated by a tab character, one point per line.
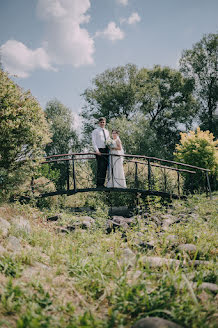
198	149
24	134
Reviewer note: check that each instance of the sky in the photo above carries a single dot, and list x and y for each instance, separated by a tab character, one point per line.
55	48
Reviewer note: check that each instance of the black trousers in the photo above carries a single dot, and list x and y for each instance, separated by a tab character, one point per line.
102	164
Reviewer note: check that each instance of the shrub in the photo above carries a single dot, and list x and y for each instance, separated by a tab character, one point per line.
198	148
24	134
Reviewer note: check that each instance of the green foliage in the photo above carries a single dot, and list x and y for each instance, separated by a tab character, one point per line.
12	298
200	64
84	279
165	97
64	140
113	94
198	149
9	266
24	133
149	105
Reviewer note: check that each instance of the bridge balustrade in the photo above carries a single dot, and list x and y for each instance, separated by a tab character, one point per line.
143	174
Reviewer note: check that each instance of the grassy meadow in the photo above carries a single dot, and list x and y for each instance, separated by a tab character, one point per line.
54	277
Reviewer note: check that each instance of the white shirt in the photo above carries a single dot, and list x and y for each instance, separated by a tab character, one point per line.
98	140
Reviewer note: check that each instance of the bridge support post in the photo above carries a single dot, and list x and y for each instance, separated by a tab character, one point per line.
149	175
136	176
68	175
208	185
178	183
74	175
165	180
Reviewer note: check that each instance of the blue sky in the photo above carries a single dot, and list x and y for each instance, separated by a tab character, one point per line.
56	47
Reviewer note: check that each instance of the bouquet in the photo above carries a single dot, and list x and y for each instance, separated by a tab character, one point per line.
110	143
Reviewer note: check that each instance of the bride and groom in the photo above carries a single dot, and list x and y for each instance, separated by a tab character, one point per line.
109	156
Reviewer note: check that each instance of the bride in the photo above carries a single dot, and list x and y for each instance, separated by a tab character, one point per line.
116	176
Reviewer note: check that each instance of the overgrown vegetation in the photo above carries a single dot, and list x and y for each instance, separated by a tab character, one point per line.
86	279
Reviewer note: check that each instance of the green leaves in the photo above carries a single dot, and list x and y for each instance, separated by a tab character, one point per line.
200	63
24	133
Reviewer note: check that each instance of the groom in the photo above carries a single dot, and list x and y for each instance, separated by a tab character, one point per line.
99	137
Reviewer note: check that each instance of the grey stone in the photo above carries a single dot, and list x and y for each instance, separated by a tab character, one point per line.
13	243
22	224
172	238
155	322
113	225
209	286
187	248
120	220
197	262
156	220
4	226
2	249
127	257
155	261
87	222
169	220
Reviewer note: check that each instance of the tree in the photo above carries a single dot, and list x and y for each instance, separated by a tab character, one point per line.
64	137
113	95
24	133
136	135
165	97
64	140
200	63
162	95
198	148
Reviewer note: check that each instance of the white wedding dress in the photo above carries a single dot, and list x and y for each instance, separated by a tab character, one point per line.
116	176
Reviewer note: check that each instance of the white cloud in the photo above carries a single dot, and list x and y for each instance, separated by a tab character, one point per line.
133	18
64	42
123	2
112	32
21	61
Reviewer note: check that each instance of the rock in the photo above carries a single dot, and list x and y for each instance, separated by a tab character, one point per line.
169	220
155	322
87	222
4	226
121	220
156	220
187	248
172	238
13	243
155	261
22	224
2	249
127	257
197	262
209	286
113	225
83	222
132	276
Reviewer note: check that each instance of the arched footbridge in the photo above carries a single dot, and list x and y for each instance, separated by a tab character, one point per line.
143	174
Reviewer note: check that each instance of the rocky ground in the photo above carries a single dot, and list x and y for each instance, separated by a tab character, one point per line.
154	269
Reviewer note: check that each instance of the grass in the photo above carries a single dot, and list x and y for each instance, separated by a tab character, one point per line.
80	279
